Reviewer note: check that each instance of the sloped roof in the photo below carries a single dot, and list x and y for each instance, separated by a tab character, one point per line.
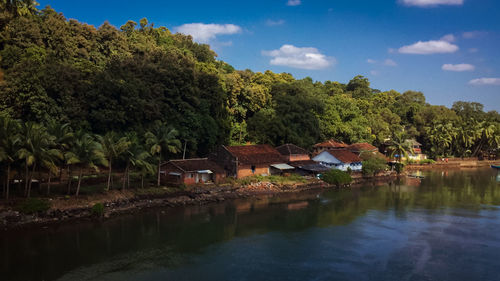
256	154
290	149
362	146
331	143
197	164
302	163
345	156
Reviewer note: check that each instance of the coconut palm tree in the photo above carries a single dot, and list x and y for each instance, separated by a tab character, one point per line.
137	157
400	146
112	147
63	138
37	151
162	140
9	145
86	152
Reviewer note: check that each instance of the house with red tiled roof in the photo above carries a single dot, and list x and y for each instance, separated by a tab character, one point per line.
292	153
339	159
249	160
358	148
191	171
328	145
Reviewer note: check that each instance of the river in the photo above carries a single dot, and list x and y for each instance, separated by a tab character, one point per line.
443	227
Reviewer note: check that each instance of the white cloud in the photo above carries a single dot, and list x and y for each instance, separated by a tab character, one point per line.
485	81
389	62
449	38
458	67
429	47
275	22
473	34
430	3
296	57
203	33
371	61
293	2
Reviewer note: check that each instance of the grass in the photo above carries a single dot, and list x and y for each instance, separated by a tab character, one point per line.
33	205
291	179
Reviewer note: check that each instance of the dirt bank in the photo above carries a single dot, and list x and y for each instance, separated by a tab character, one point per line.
455	164
115	202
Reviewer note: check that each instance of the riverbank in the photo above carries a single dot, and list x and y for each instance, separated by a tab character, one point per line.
452	164
65	209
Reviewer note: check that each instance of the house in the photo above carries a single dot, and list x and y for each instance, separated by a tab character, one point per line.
191	171
249	160
417	150
358	148
339	159
328	146
293	153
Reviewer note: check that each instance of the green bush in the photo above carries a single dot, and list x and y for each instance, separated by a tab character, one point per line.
336	177
34	205
97	210
427	161
399	167
374	165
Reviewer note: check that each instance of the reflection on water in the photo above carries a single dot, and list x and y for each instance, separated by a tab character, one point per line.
441	227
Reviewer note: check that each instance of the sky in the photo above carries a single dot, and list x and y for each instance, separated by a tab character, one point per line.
448	49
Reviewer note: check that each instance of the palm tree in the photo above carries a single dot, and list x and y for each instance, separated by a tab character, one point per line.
112	147
162	140
37	151
400	146
9	145
86	153
137	157
63	138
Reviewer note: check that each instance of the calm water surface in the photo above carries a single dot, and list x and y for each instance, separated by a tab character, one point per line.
445	227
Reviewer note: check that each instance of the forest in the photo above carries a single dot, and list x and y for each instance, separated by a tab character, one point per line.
73	95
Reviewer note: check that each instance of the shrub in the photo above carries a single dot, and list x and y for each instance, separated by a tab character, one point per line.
373	165
34	205
97	210
336	177
399	167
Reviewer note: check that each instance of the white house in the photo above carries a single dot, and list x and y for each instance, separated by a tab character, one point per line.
339	159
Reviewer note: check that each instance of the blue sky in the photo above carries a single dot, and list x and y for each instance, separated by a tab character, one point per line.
448	49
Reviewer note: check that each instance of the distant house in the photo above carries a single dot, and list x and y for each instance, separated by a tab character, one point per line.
249	160
339	159
191	171
417	150
358	148
293	153
309	168
328	146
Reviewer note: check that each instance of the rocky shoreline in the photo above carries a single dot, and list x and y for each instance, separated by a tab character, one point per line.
132	203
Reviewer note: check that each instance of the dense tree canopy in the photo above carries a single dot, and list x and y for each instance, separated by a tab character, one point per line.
129	78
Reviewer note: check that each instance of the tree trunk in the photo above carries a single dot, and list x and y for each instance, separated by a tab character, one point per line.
79	182
125	175
159	167
26	177
8	182
142	181
109	176
48	183
69	180
31	180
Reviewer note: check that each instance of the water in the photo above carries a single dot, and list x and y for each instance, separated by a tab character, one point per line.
446	227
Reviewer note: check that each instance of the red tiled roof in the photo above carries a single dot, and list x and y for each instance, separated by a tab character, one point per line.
362	146
331	143
197	164
256	154
345	156
290	149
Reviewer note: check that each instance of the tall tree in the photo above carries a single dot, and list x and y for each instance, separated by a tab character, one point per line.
9	145
112	147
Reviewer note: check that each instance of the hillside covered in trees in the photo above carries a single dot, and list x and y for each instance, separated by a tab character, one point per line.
55	70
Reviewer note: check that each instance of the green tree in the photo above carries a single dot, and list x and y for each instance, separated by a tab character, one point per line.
162	139
10	141
112	148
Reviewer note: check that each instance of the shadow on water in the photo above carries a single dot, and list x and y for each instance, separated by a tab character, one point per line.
174	242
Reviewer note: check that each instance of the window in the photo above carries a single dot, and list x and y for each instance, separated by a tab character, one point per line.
253	169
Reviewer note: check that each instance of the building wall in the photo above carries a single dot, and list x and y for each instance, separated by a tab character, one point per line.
246	171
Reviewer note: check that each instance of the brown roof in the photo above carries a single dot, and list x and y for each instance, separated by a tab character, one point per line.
291	149
197	164
302	163
256	154
362	146
345	156
331	143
